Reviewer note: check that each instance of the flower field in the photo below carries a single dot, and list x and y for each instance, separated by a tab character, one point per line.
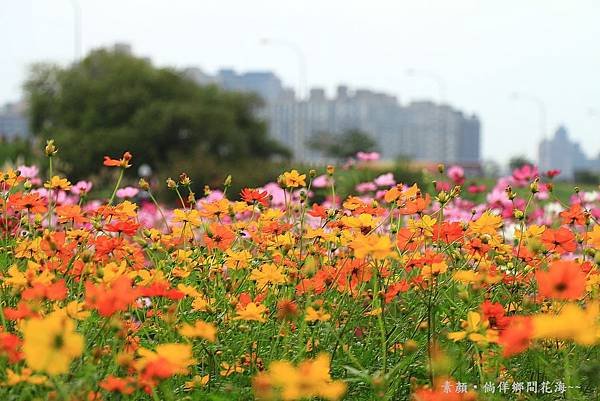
288	292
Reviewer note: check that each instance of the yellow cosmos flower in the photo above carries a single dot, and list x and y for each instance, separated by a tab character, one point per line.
58	183
74	310
237	259
378	247
201	304
424	226
571	323
26	376
473	329
594	237
309	379
364	222
293	179
51	343
196	382
434	269
200	329
191	217
488	223
177	357
268	274
314	315
253	312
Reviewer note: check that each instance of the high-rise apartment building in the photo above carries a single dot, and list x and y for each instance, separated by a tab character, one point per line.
423	131
13	121
561	153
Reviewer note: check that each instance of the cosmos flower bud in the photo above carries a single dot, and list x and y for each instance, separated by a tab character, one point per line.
50	149
143	184
171	184
184	179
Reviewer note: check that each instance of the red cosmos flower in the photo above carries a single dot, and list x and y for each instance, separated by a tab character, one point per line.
123	162
354	273
563	280
218	236
250	195
118	385
407	240
161	289
10	345
109	300
54	291
552	173
32	202
495	314
574	215
318	211
517	335
126	227
22	311
395	289
561	240
448	232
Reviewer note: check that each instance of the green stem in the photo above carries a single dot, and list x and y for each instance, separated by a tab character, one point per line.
112	197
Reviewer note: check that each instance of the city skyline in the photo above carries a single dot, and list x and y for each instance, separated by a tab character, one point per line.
481	52
423	131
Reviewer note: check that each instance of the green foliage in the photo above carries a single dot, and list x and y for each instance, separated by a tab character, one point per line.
16	151
342	146
111	102
518	162
587	177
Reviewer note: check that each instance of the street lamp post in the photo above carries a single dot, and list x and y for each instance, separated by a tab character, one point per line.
299	135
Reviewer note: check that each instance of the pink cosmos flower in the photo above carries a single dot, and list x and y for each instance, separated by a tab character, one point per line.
367	156
456	174
127	192
322	181
385	180
524	175
82	188
365	187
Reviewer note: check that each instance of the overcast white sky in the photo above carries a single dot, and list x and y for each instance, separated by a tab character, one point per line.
483	49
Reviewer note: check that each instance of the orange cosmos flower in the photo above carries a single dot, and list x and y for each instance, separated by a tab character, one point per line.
561	240
253	195
563	280
218	236
515	338
109	300
574	215
70	213
32	202
123	162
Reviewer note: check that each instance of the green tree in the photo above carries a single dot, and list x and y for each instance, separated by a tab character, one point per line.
344	145
518	162
111	102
